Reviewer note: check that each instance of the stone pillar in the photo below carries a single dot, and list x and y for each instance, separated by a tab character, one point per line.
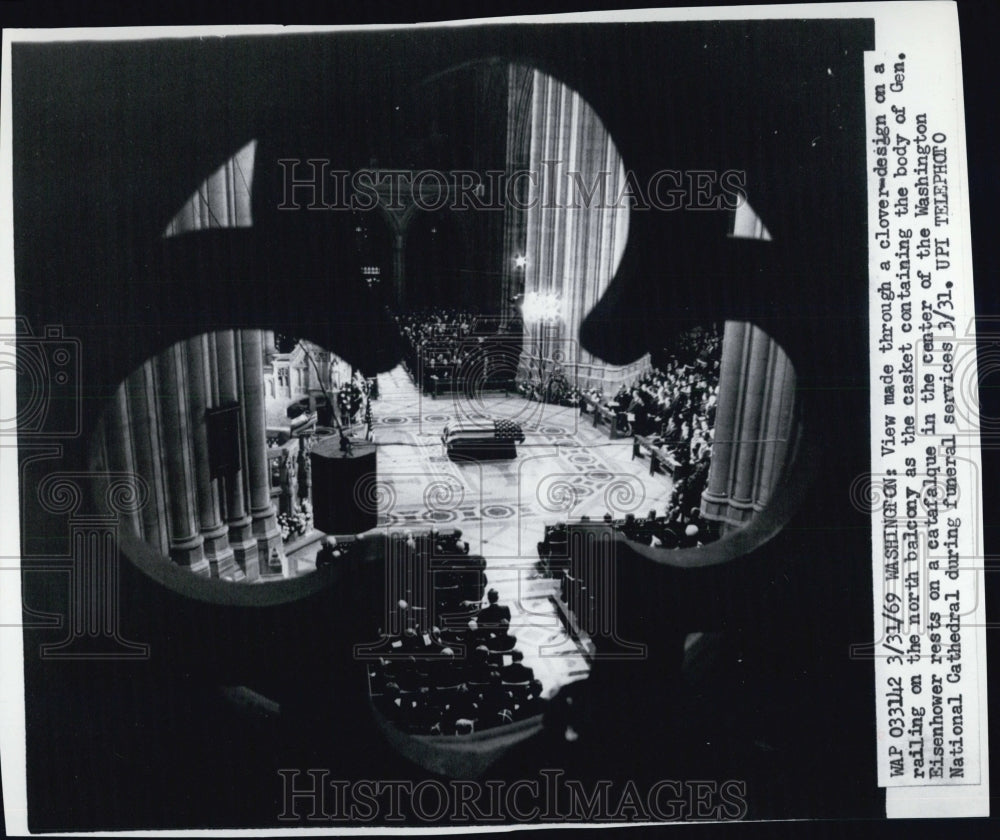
778	426
305	468
265	524
186	542
520	87
214	532
290	478
143	413
573	244
752	392
754	425
241	537
398	269
117	444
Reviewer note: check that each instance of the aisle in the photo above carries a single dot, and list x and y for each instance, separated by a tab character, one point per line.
564	469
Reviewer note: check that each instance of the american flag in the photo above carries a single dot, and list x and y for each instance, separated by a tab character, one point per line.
507	431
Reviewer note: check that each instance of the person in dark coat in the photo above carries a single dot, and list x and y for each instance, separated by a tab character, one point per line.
491	615
517	671
328	553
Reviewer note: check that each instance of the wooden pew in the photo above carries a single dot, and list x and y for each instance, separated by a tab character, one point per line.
659	454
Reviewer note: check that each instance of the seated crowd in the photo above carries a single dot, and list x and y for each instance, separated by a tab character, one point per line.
555	390
673	407
679	528
453	669
439	342
334	550
674	401
559	559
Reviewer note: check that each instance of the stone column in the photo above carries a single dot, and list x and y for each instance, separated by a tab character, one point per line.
214	532
186	543
777	424
265	524
754	423
143	413
520	87
398	267
241	537
118	450
305	468
715	499
753	391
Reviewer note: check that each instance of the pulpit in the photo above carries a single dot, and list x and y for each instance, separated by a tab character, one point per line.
343	482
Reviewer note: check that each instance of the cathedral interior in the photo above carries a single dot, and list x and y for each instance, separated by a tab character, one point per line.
456	404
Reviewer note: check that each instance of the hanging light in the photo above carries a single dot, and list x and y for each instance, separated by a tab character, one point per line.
520	261
541	307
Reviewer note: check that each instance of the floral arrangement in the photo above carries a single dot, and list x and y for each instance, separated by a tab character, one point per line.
349	399
294	525
558	391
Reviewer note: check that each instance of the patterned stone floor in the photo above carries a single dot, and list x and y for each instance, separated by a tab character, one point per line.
566	468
